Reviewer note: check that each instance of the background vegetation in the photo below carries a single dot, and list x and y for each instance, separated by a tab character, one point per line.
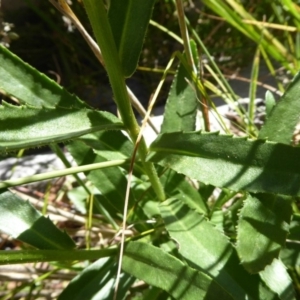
210	216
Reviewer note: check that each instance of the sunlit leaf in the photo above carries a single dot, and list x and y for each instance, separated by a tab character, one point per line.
129	21
30	86
181	107
284	117
207	249
270	103
24	127
278	280
97	282
262	230
160	269
23	222
234	163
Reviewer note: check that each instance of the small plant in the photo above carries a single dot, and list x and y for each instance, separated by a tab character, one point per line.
187	241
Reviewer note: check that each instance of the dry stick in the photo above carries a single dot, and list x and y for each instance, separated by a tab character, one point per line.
65	9
150	107
264	85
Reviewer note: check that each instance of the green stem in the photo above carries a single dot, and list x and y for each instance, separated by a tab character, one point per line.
56	149
185	35
189	55
59	173
102	31
22	256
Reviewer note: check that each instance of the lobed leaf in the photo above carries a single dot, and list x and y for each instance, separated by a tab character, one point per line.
129	20
160	269
24	126
23	222
284	117
207	249
181	107
262	230
31	87
234	163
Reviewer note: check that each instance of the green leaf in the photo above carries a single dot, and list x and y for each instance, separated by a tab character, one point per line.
112	182
181	107
24	126
97	282
295	228
129	21
160	269
23	222
234	163
109	144
30	86
176	185
262	230
78	196
284	117
207	249
291	255
270	103
195	54
278	280
105	146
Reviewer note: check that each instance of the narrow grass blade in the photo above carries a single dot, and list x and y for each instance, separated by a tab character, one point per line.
235	14
234	163
252	91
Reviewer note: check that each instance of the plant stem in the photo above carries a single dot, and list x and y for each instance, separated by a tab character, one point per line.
59	173
56	149
190	60
102	31
22	256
